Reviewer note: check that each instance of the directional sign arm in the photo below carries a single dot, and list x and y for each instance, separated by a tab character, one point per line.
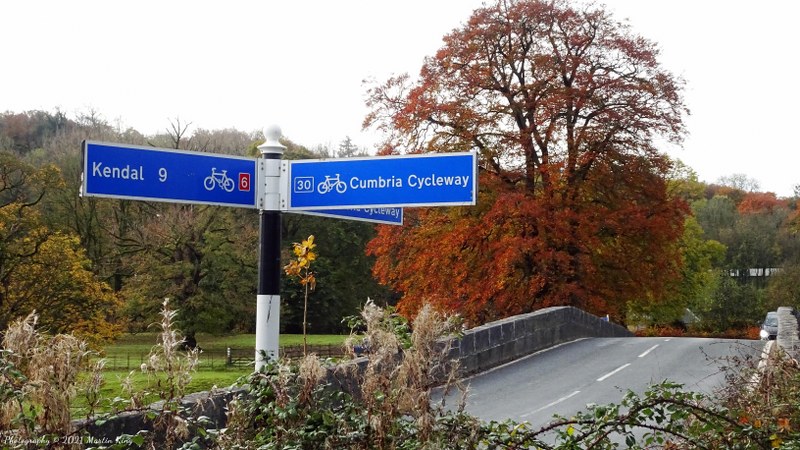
157	174
447	179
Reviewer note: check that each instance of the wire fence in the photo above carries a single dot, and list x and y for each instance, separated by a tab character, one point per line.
229	358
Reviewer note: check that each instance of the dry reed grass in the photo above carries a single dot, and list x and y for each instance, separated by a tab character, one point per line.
170	370
398	381
42	375
45	379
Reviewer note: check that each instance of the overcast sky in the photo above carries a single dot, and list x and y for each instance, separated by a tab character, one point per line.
300	64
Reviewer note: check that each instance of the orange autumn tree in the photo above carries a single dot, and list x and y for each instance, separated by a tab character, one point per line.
562	104
761	203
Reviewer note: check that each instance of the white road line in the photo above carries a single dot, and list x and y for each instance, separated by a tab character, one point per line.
551	404
667	340
613	372
648	351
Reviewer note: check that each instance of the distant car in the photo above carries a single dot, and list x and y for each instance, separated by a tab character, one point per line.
769	329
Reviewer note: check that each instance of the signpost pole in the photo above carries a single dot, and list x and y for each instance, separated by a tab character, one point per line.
269	258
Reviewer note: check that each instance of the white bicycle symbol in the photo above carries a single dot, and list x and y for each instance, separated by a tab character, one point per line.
219	179
330	184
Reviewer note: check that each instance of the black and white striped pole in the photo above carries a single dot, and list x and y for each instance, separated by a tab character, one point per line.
268	298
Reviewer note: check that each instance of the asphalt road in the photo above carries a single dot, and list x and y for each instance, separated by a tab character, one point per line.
564	379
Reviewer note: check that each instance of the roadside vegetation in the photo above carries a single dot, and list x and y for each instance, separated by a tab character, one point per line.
291	404
123	358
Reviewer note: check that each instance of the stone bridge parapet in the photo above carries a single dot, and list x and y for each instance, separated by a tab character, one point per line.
788	338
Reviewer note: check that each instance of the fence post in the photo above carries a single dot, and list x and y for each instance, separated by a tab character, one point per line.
228	360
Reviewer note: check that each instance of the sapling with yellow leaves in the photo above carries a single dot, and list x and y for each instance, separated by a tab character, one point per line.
300	268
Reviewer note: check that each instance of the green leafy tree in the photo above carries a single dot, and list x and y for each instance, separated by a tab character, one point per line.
733	305
702	259
755	236
755	241
197	256
22	234
716	216
103	225
58	283
783	288
44	270
200	257
684	183
694	289
754	244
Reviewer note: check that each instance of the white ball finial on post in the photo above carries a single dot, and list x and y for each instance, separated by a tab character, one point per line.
272	144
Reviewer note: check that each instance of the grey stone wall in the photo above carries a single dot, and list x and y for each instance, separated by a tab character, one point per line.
500	342
201	404
788	339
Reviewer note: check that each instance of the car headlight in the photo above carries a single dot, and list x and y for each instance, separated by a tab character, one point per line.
764	334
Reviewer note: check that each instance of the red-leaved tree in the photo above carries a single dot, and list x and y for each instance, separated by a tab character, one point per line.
563	105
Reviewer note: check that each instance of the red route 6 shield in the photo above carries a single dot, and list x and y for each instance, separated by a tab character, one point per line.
244	182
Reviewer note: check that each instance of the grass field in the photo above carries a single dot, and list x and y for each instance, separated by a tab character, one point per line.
131	350
143	342
203	380
126	355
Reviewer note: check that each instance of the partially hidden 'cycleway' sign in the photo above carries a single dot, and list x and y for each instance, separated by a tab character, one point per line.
158	174
442	179
387	216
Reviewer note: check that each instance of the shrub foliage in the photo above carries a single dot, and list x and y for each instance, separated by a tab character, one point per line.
388	403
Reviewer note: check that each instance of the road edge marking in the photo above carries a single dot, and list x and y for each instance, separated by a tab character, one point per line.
523	358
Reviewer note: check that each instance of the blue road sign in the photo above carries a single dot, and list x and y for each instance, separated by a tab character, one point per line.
444	179
387	216
158	174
